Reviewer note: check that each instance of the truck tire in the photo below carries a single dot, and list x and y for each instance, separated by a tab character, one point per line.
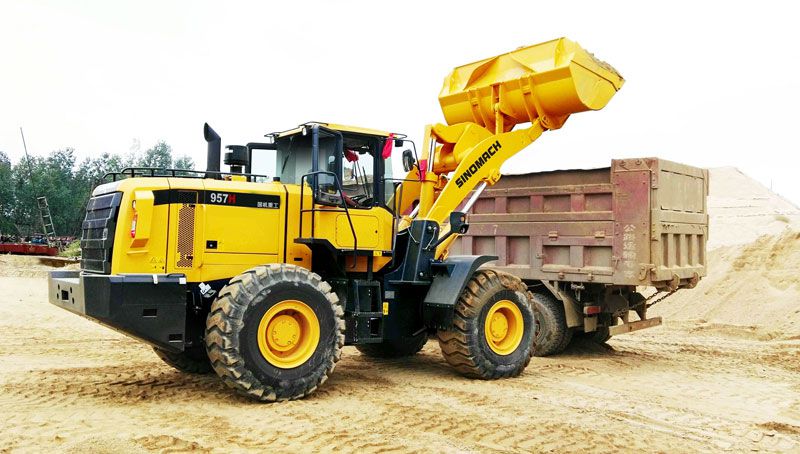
191	361
493	327
552	334
275	332
599	336
395	348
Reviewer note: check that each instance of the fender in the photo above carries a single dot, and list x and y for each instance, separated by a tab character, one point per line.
450	277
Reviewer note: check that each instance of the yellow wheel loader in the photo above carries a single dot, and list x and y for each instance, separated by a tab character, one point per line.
264	278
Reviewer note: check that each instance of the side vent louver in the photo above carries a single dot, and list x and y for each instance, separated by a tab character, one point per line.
185	242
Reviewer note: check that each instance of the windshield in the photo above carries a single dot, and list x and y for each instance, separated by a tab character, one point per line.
293	157
357	163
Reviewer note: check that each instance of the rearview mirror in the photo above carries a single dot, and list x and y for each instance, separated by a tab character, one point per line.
408	160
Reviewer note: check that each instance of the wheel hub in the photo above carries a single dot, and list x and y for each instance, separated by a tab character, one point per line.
283	332
499	326
288	334
504	327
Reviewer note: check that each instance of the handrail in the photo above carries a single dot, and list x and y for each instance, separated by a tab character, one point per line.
133	172
313	209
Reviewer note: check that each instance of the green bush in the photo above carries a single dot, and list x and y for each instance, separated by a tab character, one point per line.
72	250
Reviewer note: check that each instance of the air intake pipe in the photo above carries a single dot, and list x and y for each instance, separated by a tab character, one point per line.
214	146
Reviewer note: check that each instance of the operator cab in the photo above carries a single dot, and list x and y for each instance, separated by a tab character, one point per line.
343	164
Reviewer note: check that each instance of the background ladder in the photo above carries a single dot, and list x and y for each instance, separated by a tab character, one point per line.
47	220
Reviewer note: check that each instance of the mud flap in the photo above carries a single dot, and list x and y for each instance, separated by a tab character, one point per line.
449	279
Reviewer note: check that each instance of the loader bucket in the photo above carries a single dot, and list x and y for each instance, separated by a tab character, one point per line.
550	81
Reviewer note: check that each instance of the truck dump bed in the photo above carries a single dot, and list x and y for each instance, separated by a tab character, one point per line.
639	222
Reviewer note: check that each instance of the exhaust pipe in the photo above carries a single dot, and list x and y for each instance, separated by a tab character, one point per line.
214	145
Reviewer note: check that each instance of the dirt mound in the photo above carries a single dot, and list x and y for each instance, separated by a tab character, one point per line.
754	285
742	209
28	266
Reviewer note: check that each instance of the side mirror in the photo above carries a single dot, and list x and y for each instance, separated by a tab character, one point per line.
399	142
408	160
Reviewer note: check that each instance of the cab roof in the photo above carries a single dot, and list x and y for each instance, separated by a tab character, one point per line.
336	127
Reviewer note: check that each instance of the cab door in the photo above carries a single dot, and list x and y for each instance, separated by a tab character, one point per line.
351	213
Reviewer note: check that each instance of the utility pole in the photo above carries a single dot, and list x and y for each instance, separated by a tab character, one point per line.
27	157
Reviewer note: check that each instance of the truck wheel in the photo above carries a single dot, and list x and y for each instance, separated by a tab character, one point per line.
275	332
192	361
552	334
598	336
601	335
493	325
395	348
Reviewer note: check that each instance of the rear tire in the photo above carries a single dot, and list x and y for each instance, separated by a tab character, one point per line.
552	334
497	348
395	348
599	336
275	332
190	361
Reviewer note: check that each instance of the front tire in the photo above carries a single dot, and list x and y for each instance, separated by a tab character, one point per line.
493	327
275	332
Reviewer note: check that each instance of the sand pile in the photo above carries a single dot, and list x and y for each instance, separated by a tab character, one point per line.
754	255
755	285
27	266
742	209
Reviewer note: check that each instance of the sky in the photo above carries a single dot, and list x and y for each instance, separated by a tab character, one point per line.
708	83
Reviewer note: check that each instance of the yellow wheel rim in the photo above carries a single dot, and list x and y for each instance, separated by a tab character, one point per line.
504	327
288	334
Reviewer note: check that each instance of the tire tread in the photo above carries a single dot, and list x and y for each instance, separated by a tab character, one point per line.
225	322
460	345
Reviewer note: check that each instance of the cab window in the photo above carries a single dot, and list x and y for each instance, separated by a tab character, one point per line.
358	179
355	159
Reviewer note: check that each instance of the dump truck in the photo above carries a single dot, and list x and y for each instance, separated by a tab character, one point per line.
265	277
589	242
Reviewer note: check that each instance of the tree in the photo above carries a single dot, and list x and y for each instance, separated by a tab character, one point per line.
184	163
26	184
91	171
66	186
159	155
56	181
6	196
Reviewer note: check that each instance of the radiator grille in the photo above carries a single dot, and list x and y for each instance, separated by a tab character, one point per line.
97	232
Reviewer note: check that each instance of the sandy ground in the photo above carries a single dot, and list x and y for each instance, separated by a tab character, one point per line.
723	373
68	384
